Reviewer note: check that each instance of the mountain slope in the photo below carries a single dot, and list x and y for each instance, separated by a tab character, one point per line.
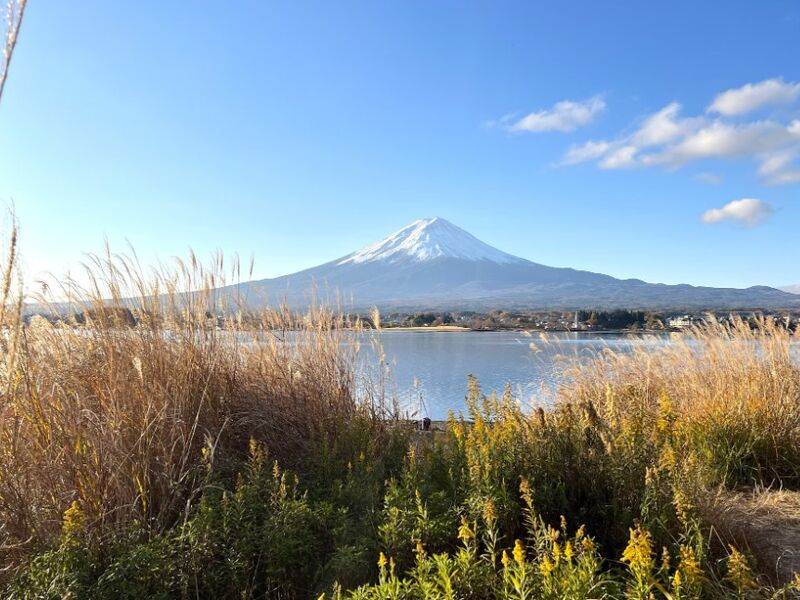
431	263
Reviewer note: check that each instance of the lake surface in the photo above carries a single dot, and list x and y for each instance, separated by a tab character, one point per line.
429	369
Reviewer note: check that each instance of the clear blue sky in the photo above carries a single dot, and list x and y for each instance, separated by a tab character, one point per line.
301	131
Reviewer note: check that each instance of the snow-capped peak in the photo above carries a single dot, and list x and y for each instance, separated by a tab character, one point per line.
428	239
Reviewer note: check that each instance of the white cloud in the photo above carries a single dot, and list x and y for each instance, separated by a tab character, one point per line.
664	126
776	169
664	139
775	163
748	211
667	139
566	115
587	151
620	158
724	140
655	130
709	178
752	96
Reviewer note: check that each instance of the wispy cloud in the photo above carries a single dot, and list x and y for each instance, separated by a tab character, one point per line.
709	178
748	211
777	169
752	96
669	140
566	115
587	151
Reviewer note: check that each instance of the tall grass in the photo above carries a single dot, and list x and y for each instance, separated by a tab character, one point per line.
733	388
158	439
117	416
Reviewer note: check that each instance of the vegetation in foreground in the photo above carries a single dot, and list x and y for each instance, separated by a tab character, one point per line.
177	459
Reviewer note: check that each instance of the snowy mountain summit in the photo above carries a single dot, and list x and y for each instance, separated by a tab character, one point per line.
429	239
432	264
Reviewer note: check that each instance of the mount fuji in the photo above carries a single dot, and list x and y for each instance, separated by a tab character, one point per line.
432	264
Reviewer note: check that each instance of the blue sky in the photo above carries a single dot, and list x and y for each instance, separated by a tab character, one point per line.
299	132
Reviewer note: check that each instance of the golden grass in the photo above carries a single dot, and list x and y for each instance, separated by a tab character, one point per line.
147	384
122	418
723	383
723	401
765	522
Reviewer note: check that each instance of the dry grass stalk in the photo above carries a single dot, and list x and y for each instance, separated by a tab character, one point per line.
726	378
766	522
120	402
15	10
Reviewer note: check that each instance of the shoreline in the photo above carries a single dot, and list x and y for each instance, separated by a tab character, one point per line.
440	328
460	329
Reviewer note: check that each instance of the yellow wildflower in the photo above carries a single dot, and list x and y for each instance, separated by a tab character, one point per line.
739	573
683	507
665	559
465	533
568	551
580	533
420	550
677	581
489	514
505	559
546	567
556	549
690	567
666	413
519	553
382	562
74	519
553	534
639	552
667	460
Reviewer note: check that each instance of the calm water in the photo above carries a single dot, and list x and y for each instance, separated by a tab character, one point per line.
429	369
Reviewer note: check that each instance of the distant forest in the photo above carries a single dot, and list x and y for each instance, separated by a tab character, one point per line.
582	320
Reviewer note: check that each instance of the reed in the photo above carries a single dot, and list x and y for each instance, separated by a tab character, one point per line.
113	400
14	12
158	438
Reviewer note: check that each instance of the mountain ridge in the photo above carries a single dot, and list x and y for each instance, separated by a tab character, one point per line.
432	263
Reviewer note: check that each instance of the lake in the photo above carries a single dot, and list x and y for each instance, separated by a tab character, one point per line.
429	369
